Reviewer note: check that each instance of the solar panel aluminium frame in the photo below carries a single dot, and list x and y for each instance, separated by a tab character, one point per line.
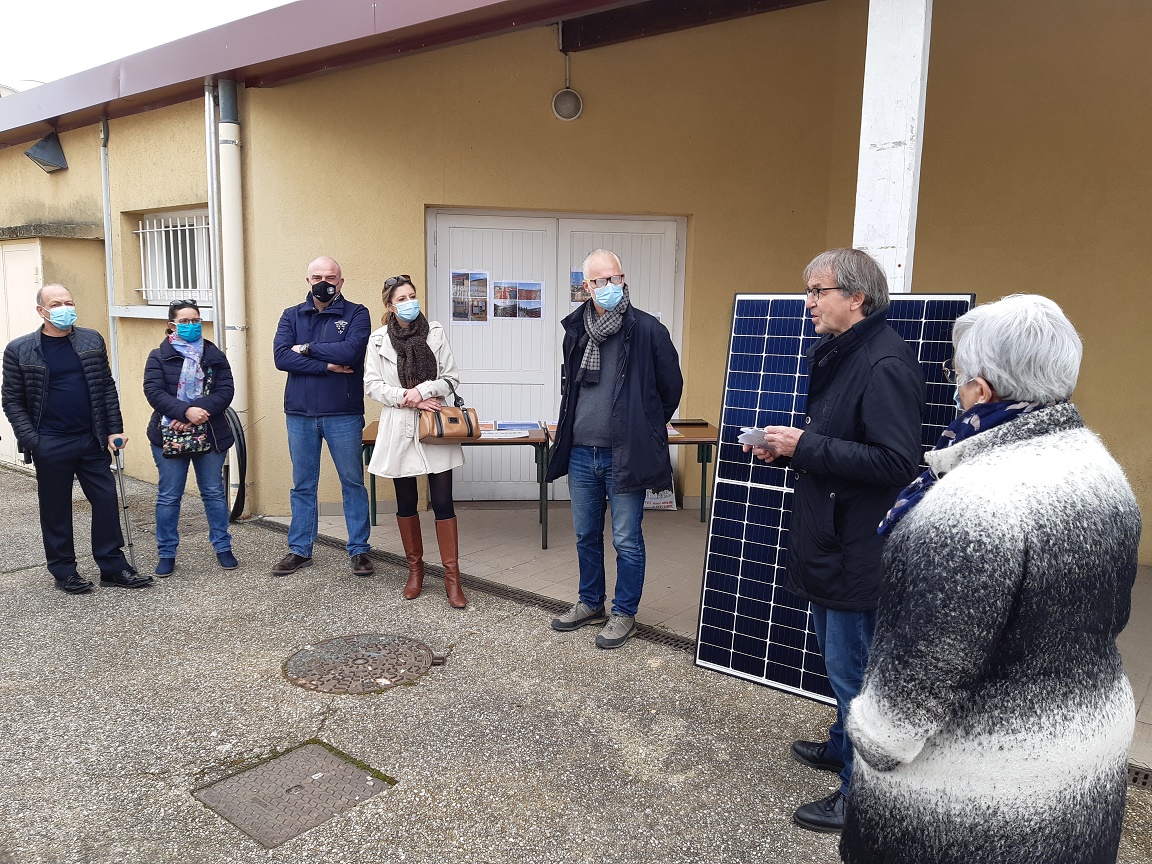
750	625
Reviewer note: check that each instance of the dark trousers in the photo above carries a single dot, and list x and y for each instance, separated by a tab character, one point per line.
59	459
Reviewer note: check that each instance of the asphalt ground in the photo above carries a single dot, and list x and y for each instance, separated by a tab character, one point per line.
527	744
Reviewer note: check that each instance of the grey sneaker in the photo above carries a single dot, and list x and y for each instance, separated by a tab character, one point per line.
616	633
579	616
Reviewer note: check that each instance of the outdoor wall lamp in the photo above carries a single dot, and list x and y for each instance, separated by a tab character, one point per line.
48	154
566	103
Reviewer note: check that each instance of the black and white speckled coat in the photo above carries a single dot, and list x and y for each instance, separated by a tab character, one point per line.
995	718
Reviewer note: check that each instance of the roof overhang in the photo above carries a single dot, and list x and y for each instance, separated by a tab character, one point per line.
304	38
313	37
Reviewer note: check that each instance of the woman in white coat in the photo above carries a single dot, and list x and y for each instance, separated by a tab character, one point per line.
409	368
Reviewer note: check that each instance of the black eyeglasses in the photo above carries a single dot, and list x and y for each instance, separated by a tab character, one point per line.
604	280
817	293
180	304
402	279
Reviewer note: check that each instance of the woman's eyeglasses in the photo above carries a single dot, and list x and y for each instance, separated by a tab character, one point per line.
402	279
177	304
950	373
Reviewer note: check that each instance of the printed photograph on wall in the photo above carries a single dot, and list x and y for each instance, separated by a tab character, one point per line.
517	299
530	300
470	296
504	299
576	289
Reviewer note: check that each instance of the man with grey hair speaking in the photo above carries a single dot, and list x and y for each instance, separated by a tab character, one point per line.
60	398
620	385
859	446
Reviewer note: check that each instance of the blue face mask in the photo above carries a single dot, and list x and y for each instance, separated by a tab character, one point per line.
62	317
609	296
956	399
408	310
190	332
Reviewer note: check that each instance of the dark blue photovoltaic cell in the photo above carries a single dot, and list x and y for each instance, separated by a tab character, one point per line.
750	623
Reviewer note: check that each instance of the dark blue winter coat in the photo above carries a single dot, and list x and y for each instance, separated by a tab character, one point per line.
26	382
339	334
162	377
646	391
860	447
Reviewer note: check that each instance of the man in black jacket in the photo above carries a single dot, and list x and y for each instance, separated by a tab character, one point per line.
620	385
60	398
859	447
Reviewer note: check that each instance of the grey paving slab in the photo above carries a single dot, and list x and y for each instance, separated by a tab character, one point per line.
527	743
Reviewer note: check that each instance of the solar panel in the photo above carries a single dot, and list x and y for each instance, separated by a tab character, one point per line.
751	625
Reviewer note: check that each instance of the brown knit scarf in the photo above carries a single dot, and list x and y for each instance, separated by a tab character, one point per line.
415	362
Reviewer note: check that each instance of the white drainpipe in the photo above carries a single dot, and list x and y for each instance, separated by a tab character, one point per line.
109	274
232	262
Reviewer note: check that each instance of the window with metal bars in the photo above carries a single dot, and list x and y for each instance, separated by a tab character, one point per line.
174	258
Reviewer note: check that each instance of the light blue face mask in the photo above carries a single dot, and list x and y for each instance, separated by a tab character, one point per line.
408	310
956	398
190	332
609	296
62	317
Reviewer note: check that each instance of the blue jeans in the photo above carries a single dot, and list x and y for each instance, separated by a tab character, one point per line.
845	639
344	434
209	468
590	484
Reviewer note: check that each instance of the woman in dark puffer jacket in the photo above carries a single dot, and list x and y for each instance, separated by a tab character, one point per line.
188	381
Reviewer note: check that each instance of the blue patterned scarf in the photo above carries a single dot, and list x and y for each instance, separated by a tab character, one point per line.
191	385
979	418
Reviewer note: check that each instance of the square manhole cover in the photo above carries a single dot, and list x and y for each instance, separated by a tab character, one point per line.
292	793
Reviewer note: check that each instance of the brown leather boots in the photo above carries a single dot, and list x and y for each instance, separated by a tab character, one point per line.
446	537
414	552
449	552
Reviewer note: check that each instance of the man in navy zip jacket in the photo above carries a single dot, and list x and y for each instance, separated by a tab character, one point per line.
320	344
620	385
860	445
60	398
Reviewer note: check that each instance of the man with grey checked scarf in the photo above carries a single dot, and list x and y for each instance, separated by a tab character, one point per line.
620	385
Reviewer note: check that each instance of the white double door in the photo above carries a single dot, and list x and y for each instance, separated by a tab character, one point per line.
20	278
510	354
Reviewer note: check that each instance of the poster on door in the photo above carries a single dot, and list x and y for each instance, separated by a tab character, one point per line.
470	296
518	300
576	295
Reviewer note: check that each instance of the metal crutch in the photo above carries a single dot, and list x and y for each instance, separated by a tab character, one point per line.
119	442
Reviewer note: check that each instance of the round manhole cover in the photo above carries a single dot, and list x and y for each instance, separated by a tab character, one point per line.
363	663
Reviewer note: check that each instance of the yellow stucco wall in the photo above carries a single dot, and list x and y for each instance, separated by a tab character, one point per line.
78	265
1036	178
28	196
728	125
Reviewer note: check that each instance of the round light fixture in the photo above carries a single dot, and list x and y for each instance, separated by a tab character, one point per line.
567	104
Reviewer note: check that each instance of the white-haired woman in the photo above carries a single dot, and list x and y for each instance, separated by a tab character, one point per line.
995	718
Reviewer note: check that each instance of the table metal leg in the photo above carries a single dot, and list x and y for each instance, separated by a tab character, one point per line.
367	454
541	475
703	456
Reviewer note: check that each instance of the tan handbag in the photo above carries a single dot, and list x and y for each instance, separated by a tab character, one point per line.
452	424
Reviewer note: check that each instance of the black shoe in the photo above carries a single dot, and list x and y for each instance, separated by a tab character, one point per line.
815	755
825	815
73	583
362	565
125	579
290	563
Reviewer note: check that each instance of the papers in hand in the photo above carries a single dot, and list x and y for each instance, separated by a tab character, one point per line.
751	437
